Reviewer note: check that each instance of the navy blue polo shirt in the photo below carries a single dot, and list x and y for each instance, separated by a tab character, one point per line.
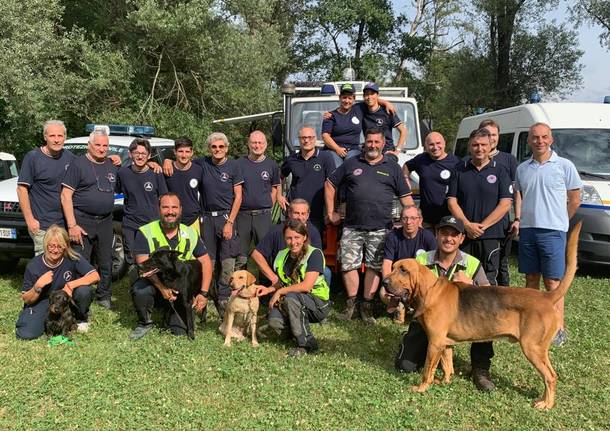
42	175
370	191
141	246
66	270
315	263
141	195
186	185
274	242
93	184
308	178
382	120
397	246
259	178
345	129
217	182
478	193
508	162
434	177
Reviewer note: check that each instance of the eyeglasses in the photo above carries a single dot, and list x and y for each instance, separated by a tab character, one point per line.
139	154
218	147
55	247
304	138
410	218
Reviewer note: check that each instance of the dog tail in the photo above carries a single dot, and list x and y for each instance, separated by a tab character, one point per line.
571	259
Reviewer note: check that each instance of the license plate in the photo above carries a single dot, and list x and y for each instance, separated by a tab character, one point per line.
8	233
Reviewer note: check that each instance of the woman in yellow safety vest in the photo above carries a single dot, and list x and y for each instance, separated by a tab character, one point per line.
301	294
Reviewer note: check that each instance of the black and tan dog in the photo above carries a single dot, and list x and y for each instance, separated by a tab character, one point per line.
60	318
453	312
242	308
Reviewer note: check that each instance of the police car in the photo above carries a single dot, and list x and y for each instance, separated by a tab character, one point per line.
15	241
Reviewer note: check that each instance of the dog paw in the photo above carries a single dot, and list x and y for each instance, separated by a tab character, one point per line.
227	344
255	344
542	405
420	388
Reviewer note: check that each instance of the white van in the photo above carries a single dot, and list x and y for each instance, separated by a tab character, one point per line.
581	133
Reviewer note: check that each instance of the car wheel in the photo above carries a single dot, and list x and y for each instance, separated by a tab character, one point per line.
119	266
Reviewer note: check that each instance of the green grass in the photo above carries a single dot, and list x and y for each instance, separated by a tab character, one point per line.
164	382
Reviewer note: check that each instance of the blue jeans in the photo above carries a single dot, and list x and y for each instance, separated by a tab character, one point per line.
350	153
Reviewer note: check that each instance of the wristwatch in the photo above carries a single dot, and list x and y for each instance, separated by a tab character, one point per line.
205	294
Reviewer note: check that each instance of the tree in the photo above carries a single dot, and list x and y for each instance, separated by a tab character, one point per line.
596	12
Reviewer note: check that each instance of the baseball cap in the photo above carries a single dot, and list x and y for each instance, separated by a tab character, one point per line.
347	88
451	222
371	86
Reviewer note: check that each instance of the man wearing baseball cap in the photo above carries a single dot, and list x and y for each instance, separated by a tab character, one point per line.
376	116
448	261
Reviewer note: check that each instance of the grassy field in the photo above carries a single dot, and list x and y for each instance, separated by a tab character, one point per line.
163	382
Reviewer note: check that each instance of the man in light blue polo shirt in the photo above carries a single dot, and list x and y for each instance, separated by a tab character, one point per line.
546	183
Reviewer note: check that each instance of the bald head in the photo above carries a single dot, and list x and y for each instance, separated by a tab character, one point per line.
257	144
434	145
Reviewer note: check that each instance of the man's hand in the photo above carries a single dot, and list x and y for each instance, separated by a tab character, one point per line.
227	231
155	167
474	230
115	159
461	277
168	167
68	289
76	234
327	115
262	291
169	294
514	228
282	202
341	152
274	299
44	279
33	226
199	303
334	218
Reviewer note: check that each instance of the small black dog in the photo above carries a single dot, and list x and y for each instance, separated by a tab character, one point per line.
183	276
60	320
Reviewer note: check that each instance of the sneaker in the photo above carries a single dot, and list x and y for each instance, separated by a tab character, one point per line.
82	327
350	308
139	332
482	380
560	338
104	303
366	313
297	351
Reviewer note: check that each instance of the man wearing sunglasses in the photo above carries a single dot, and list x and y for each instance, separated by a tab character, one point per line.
87	200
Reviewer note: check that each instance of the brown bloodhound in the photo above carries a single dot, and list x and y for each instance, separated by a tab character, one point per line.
453	312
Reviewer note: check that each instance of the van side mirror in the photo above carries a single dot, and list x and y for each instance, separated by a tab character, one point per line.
277	133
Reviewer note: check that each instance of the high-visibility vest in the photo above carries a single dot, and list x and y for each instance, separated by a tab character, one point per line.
472	264
187	239
320	287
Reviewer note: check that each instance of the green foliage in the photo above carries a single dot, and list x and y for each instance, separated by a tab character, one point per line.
596	12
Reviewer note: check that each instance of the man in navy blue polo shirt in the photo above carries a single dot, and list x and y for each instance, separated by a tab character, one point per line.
435	168
184	181
39	183
141	188
480	195
309	168
87	199
404	243
371	182
267	249
260	190
221	194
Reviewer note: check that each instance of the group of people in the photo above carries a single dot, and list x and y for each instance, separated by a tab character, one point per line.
215	209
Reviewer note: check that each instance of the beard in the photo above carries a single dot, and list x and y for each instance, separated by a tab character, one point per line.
372	154
169	224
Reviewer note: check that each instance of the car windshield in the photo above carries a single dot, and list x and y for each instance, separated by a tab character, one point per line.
158	153
588	149
8	169
310	113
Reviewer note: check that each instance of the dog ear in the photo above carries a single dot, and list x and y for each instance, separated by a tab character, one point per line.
250	279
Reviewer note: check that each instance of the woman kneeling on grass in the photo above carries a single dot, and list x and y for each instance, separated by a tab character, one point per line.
301	294
59	267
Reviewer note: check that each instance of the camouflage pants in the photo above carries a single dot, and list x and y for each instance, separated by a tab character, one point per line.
356	242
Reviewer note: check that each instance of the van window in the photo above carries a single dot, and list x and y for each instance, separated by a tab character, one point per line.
505	142
461	147
523	150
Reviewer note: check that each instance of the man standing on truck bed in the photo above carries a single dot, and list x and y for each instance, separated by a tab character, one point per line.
87	199
371	182
39	183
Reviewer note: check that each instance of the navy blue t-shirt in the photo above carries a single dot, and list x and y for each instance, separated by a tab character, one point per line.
42	175
308	178
67	270
478	193
141	195
508	162
259	178
141	246
274	242
186	185
315	263
370	191
345	129
93	184
382	120
217	183
397	246
434	178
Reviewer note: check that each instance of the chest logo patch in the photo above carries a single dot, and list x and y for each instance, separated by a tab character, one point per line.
491	179
385	174
148	186
355	120
111	177
224	177
317	167
67	276
265	175
445	174
357	172
193	183
379	122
